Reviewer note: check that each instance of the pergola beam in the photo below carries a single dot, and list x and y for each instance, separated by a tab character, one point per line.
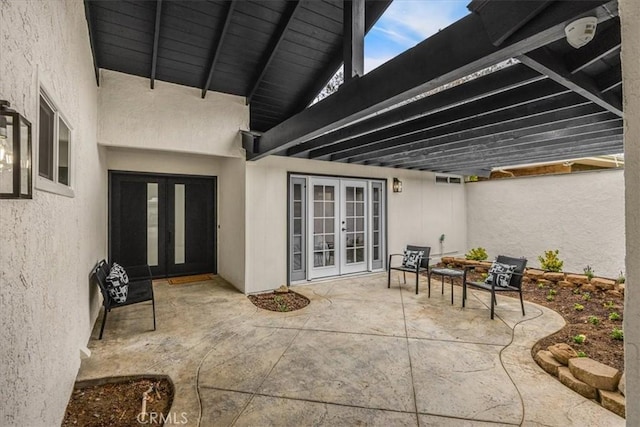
605	44
353	38
92	40
156	38
218	48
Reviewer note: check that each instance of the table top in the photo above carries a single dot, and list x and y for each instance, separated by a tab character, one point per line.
447	271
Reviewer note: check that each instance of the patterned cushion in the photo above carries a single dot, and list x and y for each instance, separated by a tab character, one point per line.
117	283
503	274
412	258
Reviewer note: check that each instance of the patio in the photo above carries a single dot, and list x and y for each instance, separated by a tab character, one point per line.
358	354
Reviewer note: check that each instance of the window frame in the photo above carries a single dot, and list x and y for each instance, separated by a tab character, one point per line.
44	183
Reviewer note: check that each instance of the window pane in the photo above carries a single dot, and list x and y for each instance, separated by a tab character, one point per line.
63	153
45	143
297	243
328	225
180	223
360	209
25	160
297	226
328	209
297	262
6	158
297	192
297	209
152	224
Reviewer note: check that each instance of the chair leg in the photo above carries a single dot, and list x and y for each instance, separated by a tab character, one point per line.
153	304
404	274
464	292
521	302
493	300
429	285
389	278
104	320
442	286
417	281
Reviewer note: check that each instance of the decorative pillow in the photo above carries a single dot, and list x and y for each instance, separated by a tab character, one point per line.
503	273
117	283
412	258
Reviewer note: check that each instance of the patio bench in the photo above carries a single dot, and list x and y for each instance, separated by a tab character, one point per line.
140	289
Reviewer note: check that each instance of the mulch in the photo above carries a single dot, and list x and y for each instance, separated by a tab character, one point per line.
282	302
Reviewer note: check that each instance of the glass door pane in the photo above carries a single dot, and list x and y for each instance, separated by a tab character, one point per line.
354	226
323	228
377	223
297	229
152	224
179	224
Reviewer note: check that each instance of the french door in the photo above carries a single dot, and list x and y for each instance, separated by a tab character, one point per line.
165	221
335	227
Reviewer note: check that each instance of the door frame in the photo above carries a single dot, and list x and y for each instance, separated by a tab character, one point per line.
112	172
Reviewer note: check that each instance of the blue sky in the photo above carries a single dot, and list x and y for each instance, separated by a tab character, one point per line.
406	23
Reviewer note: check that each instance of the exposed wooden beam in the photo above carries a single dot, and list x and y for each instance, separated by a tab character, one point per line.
276	40
218	48
491	84
455	52
156	38
353	38
543	61
610	79
92	40
605	43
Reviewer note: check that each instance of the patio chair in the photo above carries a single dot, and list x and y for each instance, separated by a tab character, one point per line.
408	265
514	284
140	289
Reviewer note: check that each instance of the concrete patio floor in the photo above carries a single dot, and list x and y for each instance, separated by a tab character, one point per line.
359	354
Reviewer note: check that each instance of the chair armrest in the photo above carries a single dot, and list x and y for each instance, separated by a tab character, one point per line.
138	272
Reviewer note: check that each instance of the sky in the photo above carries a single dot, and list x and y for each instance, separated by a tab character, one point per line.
406	23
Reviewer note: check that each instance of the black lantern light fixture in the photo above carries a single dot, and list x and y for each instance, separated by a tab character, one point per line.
15	154
397	185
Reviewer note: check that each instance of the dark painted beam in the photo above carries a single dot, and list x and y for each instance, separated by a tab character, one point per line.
92	40
276	40
353	38
491	84
156	38
605	43
453	53
543	61
610	79
218	48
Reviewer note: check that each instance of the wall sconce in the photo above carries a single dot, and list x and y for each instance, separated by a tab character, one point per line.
397	185
15	154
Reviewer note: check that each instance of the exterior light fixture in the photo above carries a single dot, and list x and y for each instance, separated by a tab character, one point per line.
581	31
397	185
15	154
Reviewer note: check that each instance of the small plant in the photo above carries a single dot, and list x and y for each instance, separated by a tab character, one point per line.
614	316
582	353
579	339
588	271
541	285
578	307
550	261
576	291
484	276
609	304
281	304
553	292
594	320
617	334
620	278
586	296
477	254
550	298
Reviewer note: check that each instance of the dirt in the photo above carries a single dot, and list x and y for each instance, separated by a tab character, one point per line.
283	302
118	404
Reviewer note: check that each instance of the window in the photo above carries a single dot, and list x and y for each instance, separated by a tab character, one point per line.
448	180
54	149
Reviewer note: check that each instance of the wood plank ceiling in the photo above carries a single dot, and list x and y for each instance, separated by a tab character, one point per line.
552	102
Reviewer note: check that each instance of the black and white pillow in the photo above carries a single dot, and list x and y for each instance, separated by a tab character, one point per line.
117	283
411	259
503	273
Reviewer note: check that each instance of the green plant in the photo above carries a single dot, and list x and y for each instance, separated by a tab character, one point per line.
609	305
553	292
576	291
620	278
579	339
550	298
586	296
582	353
588	271
578	307
541	285
477	254
617	334
550	261
614	316
594	320
484	276
281	304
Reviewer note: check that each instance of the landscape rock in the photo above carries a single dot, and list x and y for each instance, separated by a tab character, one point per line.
282	290
594	373
588	287
566	378
459	261
547	362
614	293
604	284
447	259
534	274
544	282
562	352
579	279
613	401
621	385
566	284
621	287
554	277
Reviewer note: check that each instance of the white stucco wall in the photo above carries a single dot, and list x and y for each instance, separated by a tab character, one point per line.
419	215
48	245
580	214
170	117
630	16
230	173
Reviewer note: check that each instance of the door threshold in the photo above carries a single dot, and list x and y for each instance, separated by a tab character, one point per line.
334	278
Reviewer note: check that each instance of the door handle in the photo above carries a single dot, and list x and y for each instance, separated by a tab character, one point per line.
344	229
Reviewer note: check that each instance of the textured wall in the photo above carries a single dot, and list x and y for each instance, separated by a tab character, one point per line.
419	215
630	16
170	117
580	214
48	245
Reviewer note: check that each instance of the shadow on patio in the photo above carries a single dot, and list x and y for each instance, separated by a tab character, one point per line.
358	354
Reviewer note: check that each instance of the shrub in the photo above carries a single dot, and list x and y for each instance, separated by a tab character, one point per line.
586	296
620	278
576	291
614	316
550	298
617	334
579	339
541	285
550	261
552	292
477	254
594	320
609	305
582	354
578	307
588	271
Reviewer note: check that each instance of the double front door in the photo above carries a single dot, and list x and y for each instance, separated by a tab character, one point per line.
165	221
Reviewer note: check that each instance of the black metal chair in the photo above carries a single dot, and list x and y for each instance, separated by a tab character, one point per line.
423	265
140	289
515	284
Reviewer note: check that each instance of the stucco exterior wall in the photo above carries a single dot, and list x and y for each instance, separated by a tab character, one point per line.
580	214
170	117
48	245
230	173
419	215
629	17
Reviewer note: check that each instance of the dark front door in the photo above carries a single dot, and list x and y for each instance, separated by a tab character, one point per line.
165	221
